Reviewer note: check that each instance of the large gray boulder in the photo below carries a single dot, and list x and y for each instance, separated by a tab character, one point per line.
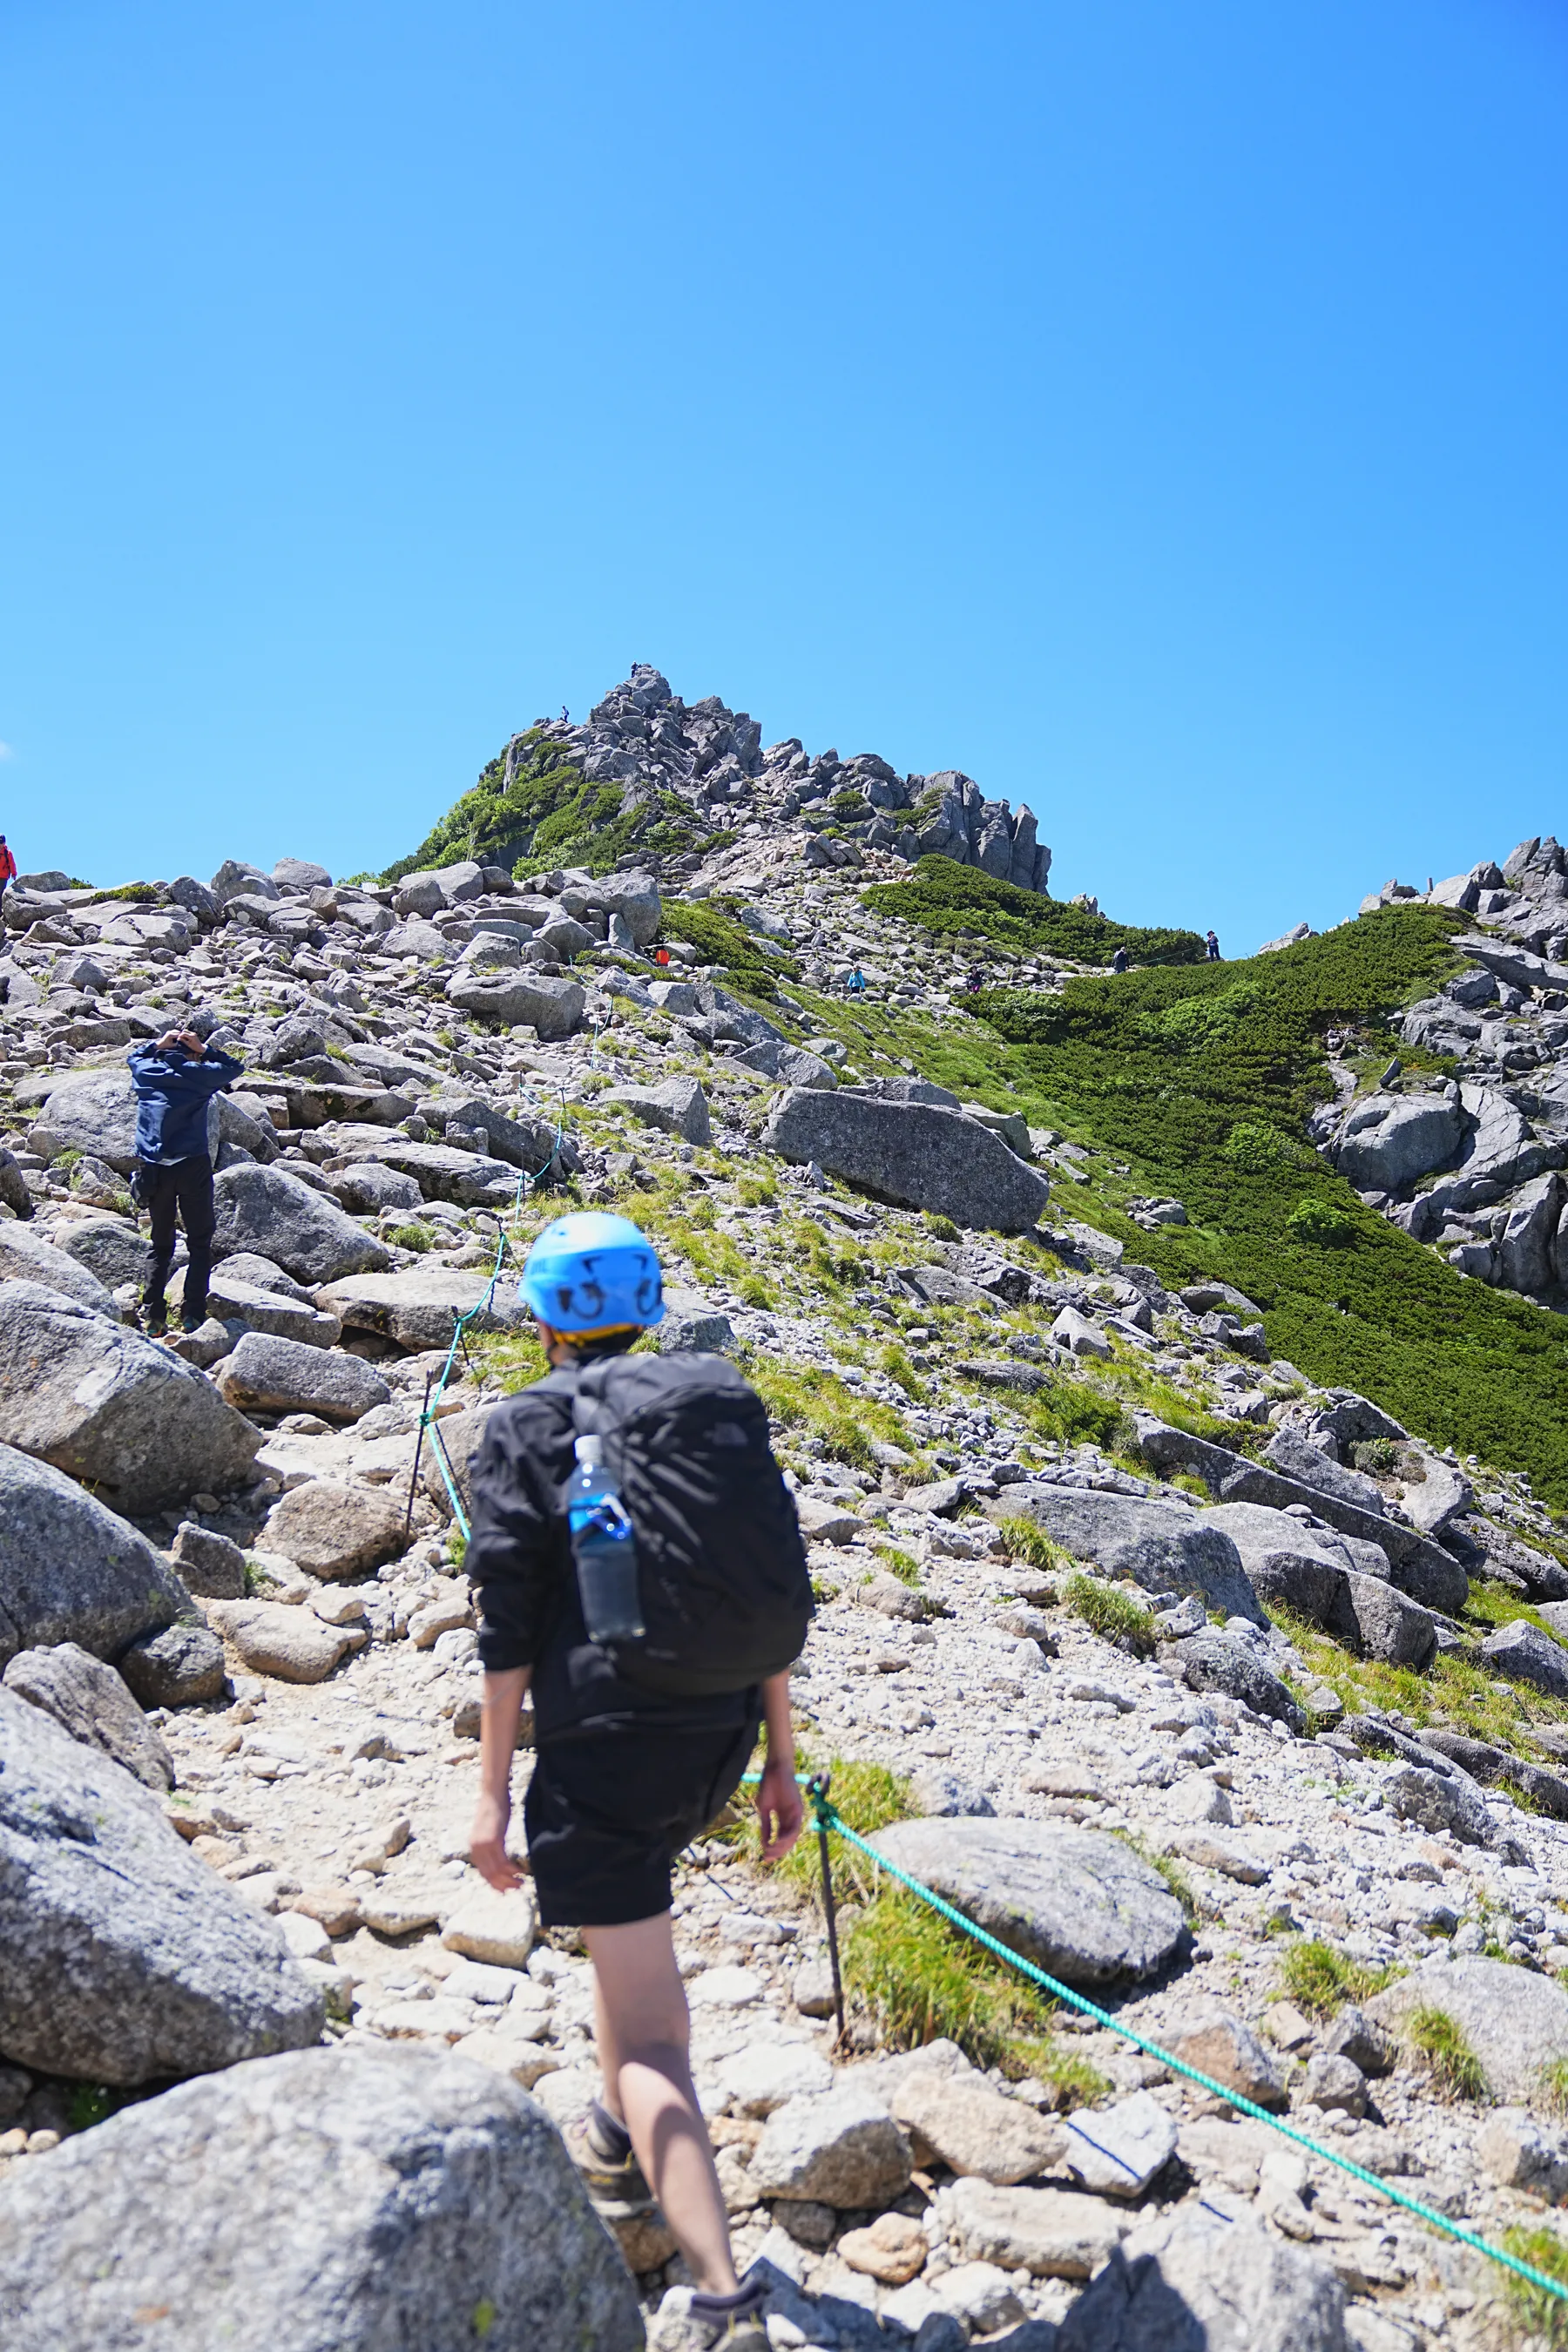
1230	1663
531	1144
1334	1580
73	1570
108	1406
1514	2020
26	1257
1525	1655
912	1154
123	1957
554	1007
112	1250
345	2199
278	1216
419	1305
635	897
444	1171
275	1375
1163	1546
1299	1458
678	1105
1199	2282
90	1703
1391	1140
1420	1568
1078	1902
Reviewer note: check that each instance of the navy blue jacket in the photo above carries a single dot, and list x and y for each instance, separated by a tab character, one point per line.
173	1091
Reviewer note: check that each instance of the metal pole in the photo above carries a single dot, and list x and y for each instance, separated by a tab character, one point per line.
418	1449
816	1788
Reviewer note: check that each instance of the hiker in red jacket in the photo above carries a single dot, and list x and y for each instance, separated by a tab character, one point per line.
7	866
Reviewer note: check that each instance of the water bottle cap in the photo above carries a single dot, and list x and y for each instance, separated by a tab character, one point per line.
587	1453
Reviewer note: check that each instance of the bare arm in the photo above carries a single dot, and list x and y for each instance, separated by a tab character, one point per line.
779	1808
498	1744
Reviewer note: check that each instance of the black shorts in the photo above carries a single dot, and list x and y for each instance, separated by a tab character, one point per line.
608	1812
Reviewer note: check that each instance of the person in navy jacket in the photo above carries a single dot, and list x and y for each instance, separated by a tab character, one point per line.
175	1079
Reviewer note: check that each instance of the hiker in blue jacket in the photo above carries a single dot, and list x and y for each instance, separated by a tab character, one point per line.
175	1080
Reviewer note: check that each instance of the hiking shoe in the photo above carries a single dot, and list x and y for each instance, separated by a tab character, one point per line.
602	2154
187	1325
728	2322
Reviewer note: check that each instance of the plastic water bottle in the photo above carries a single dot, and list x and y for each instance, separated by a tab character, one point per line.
604	1548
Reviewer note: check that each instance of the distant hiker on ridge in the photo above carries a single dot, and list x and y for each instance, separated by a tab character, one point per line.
1211	941
175	1080
1120	960
7	866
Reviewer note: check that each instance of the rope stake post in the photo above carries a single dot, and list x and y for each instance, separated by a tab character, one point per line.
816	1788
829	1817
418	1450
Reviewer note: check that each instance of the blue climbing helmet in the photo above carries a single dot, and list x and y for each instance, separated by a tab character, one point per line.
589	1274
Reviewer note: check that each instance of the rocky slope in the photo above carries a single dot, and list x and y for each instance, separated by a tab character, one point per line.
1234	1699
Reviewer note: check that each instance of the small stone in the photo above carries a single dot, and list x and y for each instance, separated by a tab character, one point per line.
893	2250
980	2295
209	1564
1217	2043
758	2080
1199	1799
1119	2150
489	1926
291	1644
1285	2025
332	1531
812	1987
1334	2082
841	2148
1050	2232
725	1988
1211	1852
974	2130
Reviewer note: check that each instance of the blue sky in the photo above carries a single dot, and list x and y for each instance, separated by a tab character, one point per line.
1156	411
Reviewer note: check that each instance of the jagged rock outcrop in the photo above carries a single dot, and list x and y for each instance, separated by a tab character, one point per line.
1472	1164
682	772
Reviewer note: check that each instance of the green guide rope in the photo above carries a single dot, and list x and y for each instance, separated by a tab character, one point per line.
828	1818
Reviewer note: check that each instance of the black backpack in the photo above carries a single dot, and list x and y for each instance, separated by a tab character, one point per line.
721	1573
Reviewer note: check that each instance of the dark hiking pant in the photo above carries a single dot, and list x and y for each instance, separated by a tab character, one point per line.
185	1189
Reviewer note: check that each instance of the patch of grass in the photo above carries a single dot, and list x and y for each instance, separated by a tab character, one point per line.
1168	1869
513	1359
800	1397
137	894
1320	1978
900	1564
1453	1688
925	1981
951	899
1553	2080
711	928
757	1192
1432	2034
1544	2318
894	1361
1032	1545
413	1237
1113	1615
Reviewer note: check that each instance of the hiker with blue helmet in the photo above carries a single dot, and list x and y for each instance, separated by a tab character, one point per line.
639	1568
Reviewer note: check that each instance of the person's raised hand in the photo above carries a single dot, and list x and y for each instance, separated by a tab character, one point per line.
780	1812
486	1845
170	1038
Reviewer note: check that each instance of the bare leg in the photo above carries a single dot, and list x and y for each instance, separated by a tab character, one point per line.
644	2033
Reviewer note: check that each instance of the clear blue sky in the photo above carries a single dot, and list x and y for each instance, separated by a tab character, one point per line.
1156	410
